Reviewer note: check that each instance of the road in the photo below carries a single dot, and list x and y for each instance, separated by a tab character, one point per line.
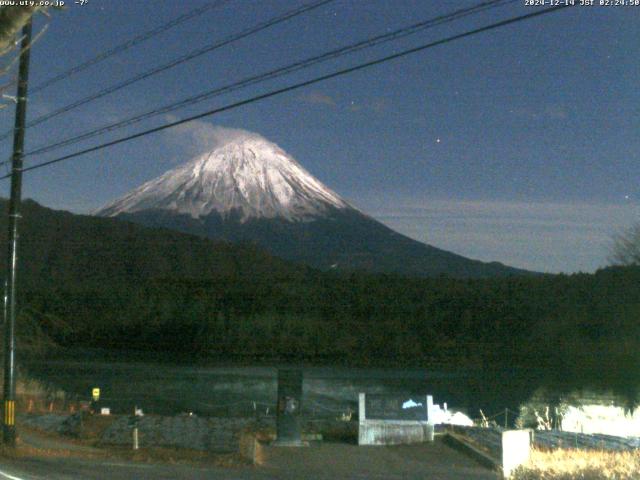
326	461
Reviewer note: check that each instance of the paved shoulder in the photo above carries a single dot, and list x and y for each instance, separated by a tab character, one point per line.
434	460
80	469
318	462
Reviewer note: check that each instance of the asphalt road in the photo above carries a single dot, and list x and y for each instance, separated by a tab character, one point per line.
76	469
322	461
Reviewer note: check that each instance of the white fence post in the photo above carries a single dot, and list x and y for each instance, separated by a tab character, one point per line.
515	450
430	419
430	409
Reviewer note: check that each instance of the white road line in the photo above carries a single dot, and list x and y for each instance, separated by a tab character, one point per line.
126	465
10	477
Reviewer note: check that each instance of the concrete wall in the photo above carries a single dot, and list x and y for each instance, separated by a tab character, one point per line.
393	432
388	432
501	450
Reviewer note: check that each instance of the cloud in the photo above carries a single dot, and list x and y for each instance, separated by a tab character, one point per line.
550	237
318	98
375	105
198	136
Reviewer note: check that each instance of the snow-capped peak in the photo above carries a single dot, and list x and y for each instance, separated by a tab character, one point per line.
248	175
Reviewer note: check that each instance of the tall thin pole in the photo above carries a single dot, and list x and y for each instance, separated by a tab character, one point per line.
9	410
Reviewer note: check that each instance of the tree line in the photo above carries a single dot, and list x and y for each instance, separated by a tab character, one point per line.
578	326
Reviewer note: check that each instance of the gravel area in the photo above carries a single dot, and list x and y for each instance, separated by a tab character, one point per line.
191	432
215	434
50	422
208	434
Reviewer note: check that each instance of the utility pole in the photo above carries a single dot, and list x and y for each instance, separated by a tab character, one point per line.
9	404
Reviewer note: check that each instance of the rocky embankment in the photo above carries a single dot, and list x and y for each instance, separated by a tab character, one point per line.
212	434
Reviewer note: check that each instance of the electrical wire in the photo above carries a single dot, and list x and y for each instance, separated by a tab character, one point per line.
299	85
127	45
303	64
178	61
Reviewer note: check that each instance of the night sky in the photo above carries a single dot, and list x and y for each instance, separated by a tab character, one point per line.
519	145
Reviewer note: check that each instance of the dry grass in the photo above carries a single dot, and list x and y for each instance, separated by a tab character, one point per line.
580	464
35	396
30	387
251	449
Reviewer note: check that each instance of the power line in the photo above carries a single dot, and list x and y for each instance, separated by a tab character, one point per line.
180	60
277	73
128	44
303	64
297	86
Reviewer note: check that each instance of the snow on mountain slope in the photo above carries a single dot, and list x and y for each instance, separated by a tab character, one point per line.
249	175
248	190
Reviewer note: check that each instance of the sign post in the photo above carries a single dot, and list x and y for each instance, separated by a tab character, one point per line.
288	409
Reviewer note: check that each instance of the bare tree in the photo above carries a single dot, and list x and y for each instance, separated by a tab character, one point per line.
12	19
626	247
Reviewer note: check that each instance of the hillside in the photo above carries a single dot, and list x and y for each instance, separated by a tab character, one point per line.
103	283
64	250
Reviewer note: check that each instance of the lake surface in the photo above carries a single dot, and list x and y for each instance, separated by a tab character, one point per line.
171	389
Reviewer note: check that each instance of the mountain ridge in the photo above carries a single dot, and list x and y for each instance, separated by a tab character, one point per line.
252	175
249	190
348	241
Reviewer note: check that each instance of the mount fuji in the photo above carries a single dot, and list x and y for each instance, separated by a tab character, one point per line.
249	190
